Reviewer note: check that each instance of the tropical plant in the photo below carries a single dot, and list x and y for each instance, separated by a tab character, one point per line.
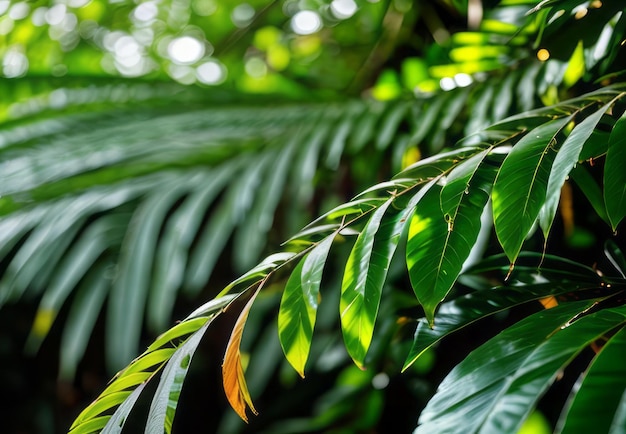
106	201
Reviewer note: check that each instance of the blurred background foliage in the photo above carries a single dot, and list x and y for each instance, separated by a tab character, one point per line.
151	151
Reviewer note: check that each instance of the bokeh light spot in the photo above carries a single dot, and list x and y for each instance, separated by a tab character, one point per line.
306	22
447	83
462	79
343	9
183	74
242	15
55	15
543	54
211	72
6	25
14	64
19	11
256	67
146	12
204	8
185	50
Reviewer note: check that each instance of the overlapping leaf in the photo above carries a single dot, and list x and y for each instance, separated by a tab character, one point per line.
298	307
444	229
600	391
614	174
120	392
565	160
499	383
519	190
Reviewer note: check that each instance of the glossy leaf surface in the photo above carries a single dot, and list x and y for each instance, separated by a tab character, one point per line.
443	229
565	160
519	191
600	391
498	384
298	306
615	175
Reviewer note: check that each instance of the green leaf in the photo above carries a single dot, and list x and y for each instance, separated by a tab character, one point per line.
364	276
165	401
181	329
81	321
116	423
93	425
615	175
298	306
590	188
102	404
173	251
463	311
250	278
354	207
616	256
233	207
565	160
130	289
600	391
436	165
444	229
497	386
519	191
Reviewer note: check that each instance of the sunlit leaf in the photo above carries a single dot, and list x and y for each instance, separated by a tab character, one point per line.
116	422
298	306
565	160
443	230
165	401
519	190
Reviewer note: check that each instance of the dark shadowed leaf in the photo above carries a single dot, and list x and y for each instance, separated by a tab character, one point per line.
599	390
496	387
365	273
165	400
615	175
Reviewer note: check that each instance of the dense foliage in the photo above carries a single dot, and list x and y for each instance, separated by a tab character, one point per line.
472	187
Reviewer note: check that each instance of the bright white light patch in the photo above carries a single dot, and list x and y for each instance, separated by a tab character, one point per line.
447	83
185	50
127	51
463	80
306	22
242	15
211	72
55	15
146	12
14	64
343	9
19	11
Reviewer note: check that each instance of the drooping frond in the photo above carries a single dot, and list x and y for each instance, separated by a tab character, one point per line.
437	205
